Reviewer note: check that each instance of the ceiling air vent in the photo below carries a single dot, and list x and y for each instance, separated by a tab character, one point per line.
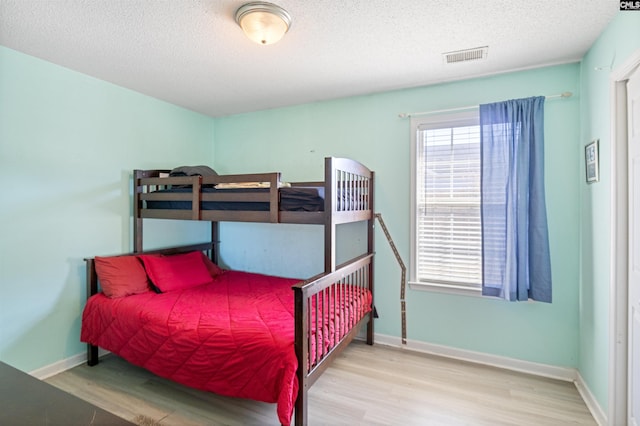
465	55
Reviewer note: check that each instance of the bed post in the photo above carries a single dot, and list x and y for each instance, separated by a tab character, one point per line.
371	249
329	225
137	220
92	288
302	353
215	238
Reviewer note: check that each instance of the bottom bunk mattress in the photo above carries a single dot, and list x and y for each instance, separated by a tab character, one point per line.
233	336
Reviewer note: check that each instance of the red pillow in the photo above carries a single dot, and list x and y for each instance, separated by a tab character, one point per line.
176	272
121	276
214	270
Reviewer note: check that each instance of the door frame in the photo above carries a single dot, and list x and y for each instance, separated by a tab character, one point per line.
619	253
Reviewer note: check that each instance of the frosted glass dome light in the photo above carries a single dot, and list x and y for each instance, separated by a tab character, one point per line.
263	23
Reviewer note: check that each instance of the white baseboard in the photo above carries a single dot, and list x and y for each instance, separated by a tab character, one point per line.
592	404
544	370
62	365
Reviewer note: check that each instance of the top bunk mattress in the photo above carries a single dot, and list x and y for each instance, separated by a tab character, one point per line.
292	199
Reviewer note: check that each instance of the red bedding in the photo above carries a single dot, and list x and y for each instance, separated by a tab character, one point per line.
233	336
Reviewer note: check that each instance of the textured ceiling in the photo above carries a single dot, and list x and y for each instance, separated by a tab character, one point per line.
192	53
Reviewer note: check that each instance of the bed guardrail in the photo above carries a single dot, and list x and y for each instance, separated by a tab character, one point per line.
329	312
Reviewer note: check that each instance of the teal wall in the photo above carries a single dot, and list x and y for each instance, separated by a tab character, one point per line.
612	49
294	140
68	144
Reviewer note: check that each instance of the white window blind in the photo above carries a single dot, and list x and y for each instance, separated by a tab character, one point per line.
447	222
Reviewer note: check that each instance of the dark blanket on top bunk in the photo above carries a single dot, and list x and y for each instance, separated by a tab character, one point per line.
307	199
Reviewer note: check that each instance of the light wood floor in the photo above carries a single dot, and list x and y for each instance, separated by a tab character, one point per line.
367	385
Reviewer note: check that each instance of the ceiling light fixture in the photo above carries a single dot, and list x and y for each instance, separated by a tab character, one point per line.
262	22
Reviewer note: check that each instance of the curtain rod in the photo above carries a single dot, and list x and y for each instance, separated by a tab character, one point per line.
413	114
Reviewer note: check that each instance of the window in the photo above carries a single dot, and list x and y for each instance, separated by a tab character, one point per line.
446	220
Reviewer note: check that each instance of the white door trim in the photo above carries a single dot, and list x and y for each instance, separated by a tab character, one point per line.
618	286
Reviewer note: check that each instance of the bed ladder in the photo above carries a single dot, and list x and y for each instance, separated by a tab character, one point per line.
403	277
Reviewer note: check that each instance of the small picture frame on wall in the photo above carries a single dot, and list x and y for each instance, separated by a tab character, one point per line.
591	161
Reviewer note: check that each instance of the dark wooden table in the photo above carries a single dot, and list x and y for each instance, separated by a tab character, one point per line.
25	400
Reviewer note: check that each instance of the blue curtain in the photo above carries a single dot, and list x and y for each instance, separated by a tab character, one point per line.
515	240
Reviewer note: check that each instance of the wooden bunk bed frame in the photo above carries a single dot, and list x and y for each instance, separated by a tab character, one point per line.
340	174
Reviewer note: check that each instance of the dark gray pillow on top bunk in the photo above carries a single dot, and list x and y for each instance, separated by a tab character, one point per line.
193	171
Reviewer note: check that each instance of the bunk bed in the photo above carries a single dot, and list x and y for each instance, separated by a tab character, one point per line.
326	311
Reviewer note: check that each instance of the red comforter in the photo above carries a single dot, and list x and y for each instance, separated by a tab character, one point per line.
234	336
